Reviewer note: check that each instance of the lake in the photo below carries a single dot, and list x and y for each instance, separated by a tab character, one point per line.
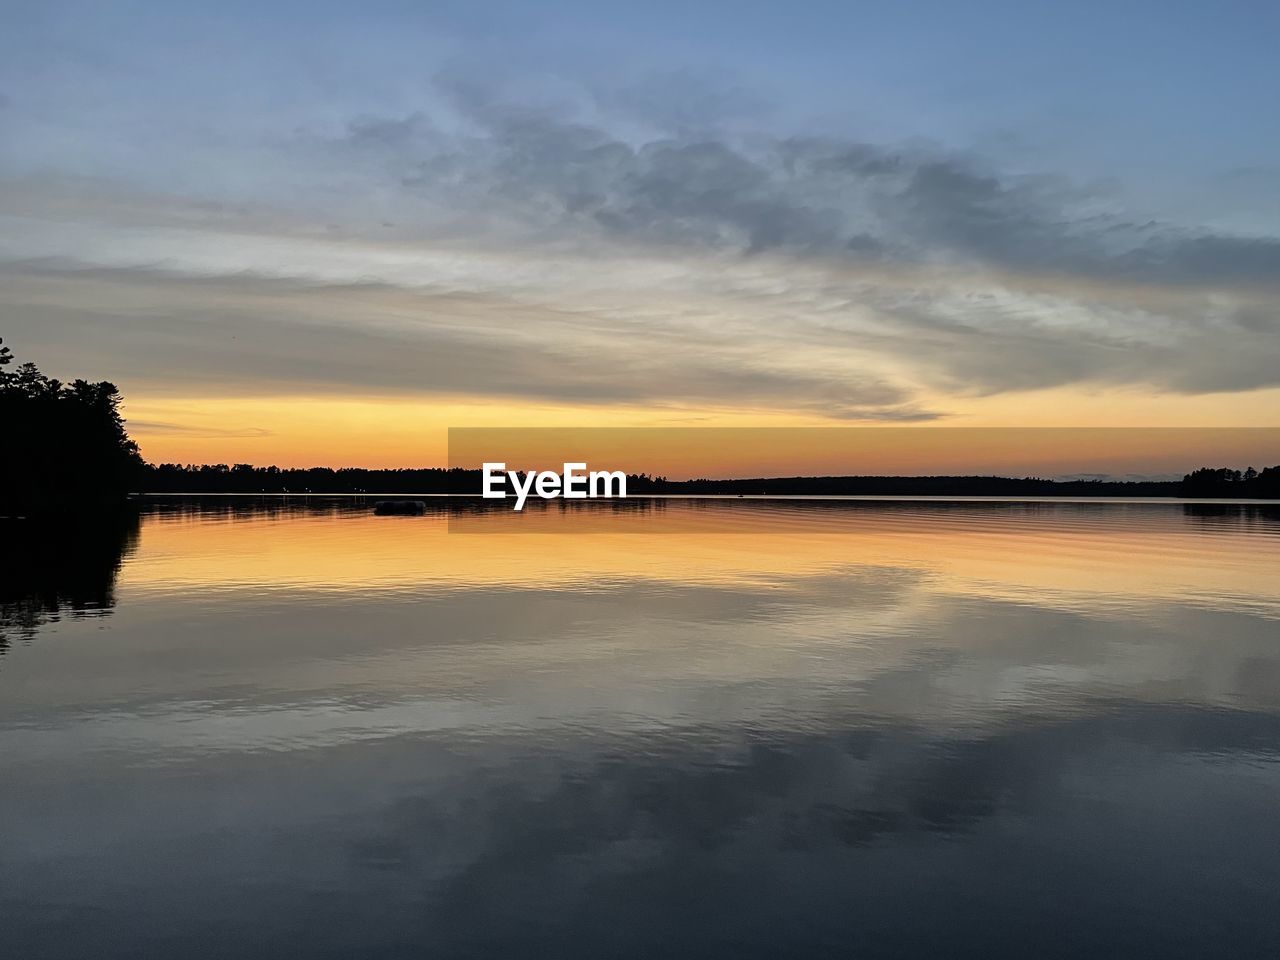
276	727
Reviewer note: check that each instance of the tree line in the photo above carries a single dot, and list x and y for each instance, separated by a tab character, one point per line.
1234	484
65	444
246	478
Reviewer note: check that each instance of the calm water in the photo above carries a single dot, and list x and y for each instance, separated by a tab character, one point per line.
721	729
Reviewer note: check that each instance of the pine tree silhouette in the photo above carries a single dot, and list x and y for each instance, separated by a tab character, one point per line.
63	445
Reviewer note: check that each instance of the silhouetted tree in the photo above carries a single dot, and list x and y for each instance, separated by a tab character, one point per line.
63	445
1228	483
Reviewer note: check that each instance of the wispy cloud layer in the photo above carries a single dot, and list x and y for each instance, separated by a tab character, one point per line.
615	247
807	195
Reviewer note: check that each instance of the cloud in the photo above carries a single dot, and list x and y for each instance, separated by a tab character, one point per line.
482	248
209	333
913	203
185	430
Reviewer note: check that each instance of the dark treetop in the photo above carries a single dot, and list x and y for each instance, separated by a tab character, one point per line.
62	446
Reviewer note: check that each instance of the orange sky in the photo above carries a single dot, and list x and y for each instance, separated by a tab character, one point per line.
406	431
278	346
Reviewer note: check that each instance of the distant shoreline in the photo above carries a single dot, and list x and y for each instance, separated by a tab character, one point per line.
862	498
1202	484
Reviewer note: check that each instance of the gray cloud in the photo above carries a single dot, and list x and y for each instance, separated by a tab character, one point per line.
805	195
182	430
545	258
212	333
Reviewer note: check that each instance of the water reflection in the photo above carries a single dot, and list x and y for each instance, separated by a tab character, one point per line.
53	569
1261	516
874	730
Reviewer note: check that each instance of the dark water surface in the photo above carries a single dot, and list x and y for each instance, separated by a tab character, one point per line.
277	729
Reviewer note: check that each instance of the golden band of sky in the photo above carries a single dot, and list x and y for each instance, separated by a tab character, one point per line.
690	452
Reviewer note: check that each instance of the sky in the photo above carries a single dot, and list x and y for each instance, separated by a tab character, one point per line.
322	233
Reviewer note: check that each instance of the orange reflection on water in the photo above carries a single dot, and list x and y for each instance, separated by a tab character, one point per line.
1037	550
